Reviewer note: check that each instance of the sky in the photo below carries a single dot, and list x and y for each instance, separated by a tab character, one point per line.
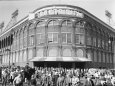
95	7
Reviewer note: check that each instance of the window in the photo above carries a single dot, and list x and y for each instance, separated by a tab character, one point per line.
107	58
67	52
95	56
14	44
31	35
31	40
79	39
25	42
21	39
67	23
40	33
18	40
103	44
79	31
94	41
110	58
79	53
104	57
40	38
53	23
66	37
25	37
99	56
106	45
40	52
89	40
80	24
53	52
52	37
40	24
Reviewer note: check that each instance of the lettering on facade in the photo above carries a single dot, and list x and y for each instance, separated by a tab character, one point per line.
59	11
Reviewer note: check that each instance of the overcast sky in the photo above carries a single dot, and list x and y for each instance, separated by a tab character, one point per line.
95	7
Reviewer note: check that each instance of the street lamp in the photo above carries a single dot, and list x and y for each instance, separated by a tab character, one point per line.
9	54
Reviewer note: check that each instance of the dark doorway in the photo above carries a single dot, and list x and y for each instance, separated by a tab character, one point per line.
80	64
66	65
39	64
52	64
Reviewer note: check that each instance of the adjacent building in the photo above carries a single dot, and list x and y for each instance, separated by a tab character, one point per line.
59	35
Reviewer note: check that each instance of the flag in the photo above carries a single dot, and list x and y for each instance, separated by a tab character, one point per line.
1	25
108	14
15	13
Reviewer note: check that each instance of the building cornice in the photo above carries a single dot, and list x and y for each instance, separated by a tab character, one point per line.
69	6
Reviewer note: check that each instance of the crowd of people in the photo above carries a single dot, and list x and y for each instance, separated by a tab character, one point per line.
50	76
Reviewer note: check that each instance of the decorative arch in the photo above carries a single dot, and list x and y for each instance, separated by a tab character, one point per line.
67	52
80	52
80	22
40	23
67	22
52	22
53	52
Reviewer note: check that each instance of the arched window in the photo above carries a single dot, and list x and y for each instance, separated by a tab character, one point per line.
40	52
94	41
95	56
31	35
30	54
67	52
53	52
104	57
100	57
67	23
40	32
53	23
18	40
53	31
79	33
21	39
14	42
66	31
13	57
79	53
25	37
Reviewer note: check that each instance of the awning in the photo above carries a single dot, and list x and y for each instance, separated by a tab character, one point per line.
37	59
83	59
62	59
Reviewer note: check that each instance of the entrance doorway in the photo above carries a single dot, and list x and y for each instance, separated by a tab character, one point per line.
67	65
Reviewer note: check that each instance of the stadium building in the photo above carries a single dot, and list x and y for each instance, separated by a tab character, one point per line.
58	35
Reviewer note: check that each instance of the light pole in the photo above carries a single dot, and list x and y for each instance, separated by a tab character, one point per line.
9	54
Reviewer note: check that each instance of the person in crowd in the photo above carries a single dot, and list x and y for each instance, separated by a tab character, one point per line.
33	80
12	75
4	77
75	80
113	80
18	80
87	82
60	80
50	76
